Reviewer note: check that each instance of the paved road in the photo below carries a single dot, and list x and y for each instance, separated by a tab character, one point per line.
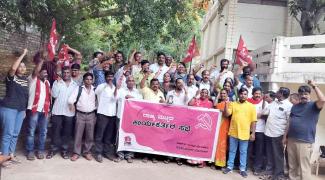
59	169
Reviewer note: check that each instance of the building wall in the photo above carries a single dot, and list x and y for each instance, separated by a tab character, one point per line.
258	24
11	42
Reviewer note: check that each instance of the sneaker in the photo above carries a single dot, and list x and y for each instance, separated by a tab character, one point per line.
226	171
243	174
99	158
30	156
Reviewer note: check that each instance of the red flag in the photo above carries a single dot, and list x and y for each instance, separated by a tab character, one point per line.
242	54
192	51
63	54
53	41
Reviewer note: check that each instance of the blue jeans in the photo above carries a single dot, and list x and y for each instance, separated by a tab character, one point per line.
36	119
11	120
233	144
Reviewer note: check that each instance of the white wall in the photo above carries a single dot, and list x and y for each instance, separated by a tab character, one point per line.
258	24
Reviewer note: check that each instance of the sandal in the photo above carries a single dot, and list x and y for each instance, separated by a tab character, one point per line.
118	159
179	163
166	161
74	157
201	165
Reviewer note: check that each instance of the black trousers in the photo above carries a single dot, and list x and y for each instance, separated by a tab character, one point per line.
62	130
105	134
274	156
259	144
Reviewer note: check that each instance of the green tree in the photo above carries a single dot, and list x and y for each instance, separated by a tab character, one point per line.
110	24
309	14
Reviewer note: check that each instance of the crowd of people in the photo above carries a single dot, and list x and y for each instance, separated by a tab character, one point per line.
85	108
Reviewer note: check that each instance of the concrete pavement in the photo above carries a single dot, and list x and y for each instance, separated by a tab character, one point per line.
60	169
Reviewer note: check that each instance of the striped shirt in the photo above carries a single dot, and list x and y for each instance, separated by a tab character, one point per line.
61	92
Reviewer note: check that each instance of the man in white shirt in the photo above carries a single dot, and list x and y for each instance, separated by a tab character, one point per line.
38	106
248	84
105	133
278	116
191	87
223	74
62	116
83	101
125	93
160	67
205	82
178	96
258	144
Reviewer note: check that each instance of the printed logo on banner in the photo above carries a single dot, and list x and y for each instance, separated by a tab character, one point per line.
205	122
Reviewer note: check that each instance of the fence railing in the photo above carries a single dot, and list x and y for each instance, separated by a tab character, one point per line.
274	64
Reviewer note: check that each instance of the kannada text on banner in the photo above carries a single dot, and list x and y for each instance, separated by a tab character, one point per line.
178	131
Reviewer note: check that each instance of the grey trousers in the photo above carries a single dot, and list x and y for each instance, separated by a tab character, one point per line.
85	123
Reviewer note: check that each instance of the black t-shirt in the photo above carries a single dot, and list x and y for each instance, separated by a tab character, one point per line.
16	93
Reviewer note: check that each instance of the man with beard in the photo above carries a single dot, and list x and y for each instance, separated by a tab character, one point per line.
119	61
223	74
179	96
180	72
62	116
160	67
191	87
258	144
145	72
247	70
278	117
205	82
38	106
242	129
301	131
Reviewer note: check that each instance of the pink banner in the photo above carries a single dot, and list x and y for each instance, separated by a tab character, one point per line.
178	131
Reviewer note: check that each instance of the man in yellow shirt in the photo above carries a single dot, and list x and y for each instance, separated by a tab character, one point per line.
153	93
242	129
145	72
